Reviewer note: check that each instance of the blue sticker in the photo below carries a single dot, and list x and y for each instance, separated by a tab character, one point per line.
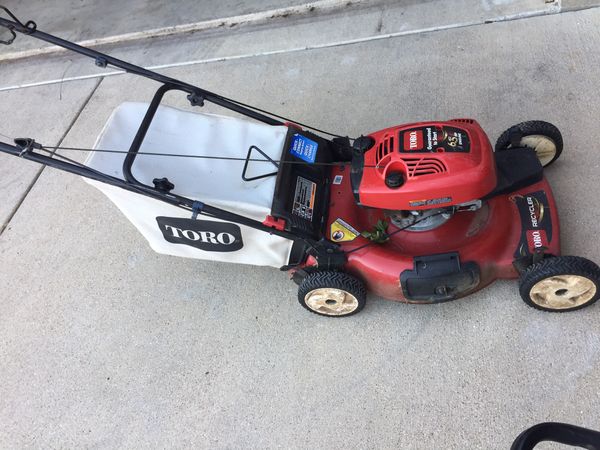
304	148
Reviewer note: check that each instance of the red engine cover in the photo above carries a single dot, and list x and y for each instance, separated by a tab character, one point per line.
442	163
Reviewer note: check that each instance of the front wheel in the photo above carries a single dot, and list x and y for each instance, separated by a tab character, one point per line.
333	294
543	137
559	284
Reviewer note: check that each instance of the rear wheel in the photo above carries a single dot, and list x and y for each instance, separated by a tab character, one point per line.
563	283
334	294
543	137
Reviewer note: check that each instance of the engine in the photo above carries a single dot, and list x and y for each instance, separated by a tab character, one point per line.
421	174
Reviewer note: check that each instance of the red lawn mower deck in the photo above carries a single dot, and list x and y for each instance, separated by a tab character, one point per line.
448	217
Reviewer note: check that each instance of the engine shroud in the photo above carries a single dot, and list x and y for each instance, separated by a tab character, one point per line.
440	164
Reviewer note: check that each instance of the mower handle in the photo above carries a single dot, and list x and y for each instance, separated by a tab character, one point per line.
562	433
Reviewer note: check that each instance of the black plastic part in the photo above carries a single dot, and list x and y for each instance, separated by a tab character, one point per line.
341	149
361	145
195	99
296	175
514	138
299	275
163	184
394	180
562	433
329	256
356	173
523	263
101	62
439	278
298	255
516	168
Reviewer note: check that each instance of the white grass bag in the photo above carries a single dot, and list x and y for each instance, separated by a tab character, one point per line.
214	182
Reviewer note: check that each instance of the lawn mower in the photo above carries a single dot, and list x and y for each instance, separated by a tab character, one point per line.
421	213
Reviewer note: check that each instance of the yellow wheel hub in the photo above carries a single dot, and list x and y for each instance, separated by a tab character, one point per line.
544	147
563	291
331	302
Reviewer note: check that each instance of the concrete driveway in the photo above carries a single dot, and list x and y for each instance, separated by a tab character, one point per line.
106	344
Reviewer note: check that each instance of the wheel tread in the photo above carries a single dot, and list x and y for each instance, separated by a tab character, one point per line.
330	279
561	265
529	128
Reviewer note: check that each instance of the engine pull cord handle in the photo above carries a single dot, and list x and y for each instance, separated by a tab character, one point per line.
27	28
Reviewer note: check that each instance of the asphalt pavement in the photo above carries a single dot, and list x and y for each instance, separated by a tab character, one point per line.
106	344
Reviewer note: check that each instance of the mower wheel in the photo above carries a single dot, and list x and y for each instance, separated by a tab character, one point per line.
541	136
559	284
334	294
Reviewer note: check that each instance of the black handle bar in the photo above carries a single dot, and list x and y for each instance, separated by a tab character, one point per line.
557	432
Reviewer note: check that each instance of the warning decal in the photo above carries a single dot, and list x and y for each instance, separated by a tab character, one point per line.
304	198
342	231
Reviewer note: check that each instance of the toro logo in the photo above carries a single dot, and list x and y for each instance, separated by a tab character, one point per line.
536	239
202	234
413	140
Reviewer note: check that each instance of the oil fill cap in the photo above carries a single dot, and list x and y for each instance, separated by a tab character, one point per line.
394	180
